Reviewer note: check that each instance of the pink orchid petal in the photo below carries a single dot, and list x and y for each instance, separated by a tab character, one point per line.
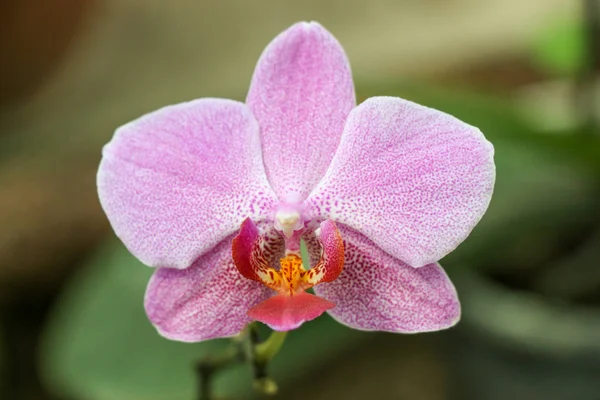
301	95
412	179
378	292
177	181
206	301
284	313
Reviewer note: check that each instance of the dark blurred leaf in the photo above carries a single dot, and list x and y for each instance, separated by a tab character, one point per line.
575	277
2	362
100	345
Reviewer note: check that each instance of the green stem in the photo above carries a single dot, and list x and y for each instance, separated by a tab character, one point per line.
265	351
260	354
245	348
209	366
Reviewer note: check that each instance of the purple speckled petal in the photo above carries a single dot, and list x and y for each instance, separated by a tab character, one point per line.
206	301
378	292
301	95
177	181
412	179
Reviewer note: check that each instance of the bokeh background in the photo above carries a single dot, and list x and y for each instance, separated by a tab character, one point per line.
72	325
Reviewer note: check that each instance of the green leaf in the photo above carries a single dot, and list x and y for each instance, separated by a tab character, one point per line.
560	48
100	345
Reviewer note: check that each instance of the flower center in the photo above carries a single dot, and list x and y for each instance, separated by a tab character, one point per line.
251	254
290	279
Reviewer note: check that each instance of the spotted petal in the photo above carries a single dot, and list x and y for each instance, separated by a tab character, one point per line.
379	292
301	94
177	181
206	301
412	179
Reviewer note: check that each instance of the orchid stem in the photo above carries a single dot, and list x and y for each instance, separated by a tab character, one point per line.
246	348
266	350
260	354
207	368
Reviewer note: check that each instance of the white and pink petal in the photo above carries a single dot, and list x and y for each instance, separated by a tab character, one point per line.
301	94
179	180
377	292
412	179
206	301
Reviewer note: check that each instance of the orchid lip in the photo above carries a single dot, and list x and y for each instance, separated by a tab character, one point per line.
291	305
251	258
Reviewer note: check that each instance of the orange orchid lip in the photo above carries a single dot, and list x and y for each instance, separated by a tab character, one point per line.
291	306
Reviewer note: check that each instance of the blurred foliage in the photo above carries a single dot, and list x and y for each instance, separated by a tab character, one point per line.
560	48
499	121
577	276
2	361
100	346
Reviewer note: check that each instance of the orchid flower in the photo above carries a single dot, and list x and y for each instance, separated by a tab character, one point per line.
218	195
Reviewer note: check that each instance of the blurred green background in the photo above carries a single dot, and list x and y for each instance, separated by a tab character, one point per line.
72	325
